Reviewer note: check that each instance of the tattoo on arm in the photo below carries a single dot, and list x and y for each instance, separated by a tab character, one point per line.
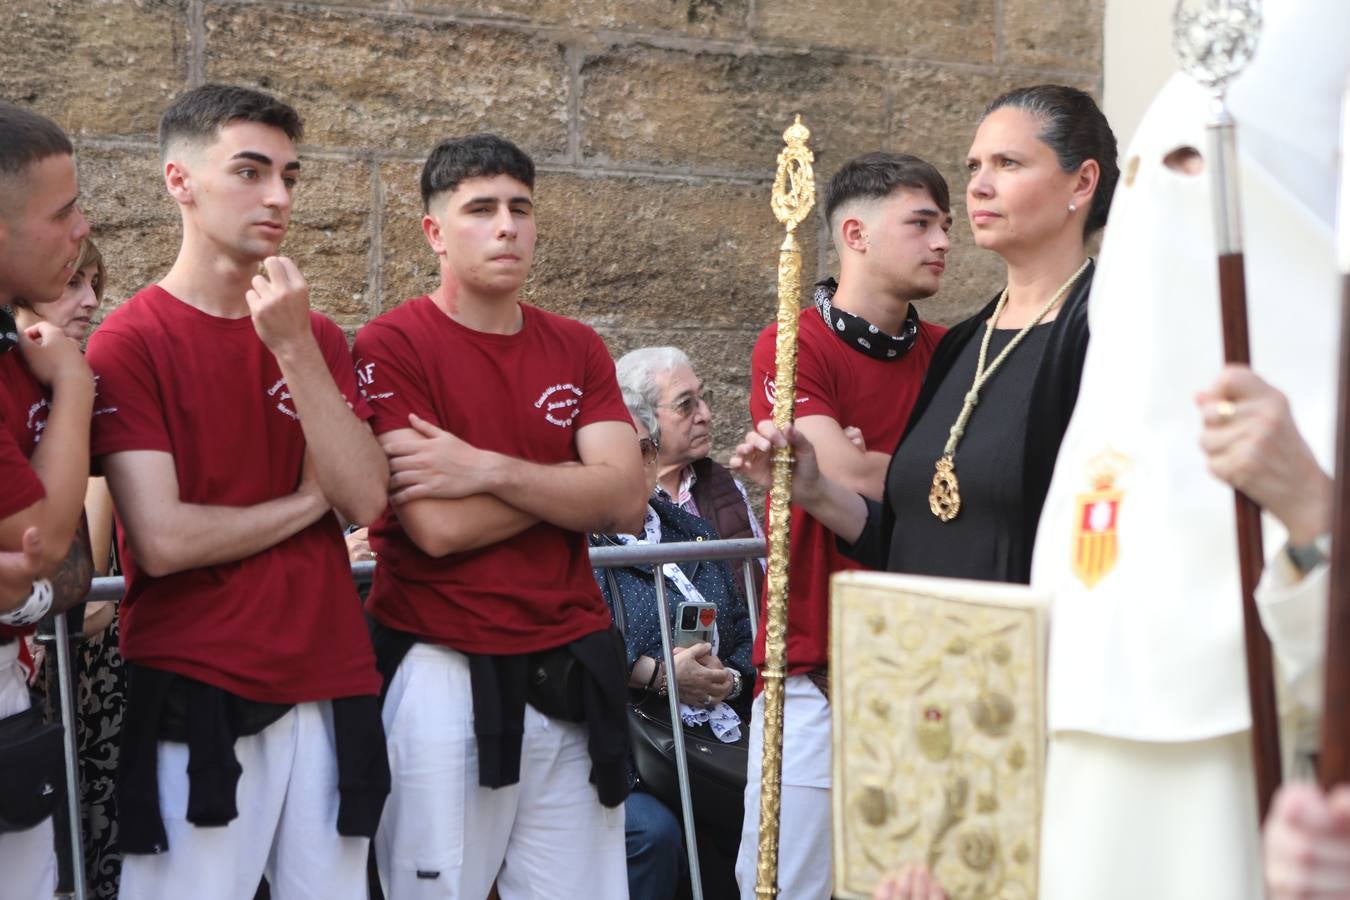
71	582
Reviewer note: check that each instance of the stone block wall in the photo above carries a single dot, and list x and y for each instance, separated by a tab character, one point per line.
655	124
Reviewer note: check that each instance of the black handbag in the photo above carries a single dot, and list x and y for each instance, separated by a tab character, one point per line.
31	770
716	768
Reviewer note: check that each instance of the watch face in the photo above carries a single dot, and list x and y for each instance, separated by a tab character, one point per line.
1305	558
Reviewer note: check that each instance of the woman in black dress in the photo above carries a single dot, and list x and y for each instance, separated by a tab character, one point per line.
966	484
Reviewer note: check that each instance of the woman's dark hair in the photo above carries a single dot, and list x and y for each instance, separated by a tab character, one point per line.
1074	127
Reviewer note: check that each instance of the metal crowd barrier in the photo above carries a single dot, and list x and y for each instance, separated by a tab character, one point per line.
747	550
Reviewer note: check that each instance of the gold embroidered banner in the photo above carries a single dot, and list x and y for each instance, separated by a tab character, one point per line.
937	689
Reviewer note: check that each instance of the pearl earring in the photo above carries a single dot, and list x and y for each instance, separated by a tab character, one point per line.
1073	208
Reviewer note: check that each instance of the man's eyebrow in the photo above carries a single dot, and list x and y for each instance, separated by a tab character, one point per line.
259	158
292	166
474	201
925	211
69	206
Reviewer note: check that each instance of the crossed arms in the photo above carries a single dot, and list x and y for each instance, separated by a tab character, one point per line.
452	497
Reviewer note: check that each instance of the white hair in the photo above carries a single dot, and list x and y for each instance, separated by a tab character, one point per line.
644	412
639	370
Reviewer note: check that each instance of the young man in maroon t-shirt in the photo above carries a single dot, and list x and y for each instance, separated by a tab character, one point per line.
862	353
508	441
231	431
46	391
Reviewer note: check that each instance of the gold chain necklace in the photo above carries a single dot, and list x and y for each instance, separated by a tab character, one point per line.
945	497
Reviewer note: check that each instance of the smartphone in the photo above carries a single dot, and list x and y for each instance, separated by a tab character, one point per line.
694	623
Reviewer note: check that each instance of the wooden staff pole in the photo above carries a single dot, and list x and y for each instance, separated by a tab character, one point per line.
1214	45
1334	761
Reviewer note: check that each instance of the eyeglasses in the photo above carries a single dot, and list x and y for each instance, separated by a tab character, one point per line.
651	449
687	405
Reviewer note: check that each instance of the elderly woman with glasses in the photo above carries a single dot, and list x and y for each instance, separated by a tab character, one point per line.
714	681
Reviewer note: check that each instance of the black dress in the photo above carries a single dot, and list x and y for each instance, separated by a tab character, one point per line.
980	541
996	541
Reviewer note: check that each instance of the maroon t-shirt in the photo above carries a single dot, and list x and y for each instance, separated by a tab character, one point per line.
524	395
23	415
854	389
281	626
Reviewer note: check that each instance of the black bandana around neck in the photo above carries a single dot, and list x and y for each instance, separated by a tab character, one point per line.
9	331
862	335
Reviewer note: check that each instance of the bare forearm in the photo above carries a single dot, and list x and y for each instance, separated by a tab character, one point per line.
98	514
863	472
348	463
190	536
440	527
643	670
589	498
61	462
70	581
833	505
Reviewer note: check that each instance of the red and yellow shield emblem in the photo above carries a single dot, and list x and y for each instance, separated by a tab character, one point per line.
1095	544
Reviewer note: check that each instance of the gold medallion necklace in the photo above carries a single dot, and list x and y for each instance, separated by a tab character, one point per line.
944	499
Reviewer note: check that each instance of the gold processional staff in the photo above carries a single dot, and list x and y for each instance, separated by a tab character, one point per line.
794	193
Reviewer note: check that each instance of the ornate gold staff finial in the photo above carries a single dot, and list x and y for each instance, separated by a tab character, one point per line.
794	193
794	186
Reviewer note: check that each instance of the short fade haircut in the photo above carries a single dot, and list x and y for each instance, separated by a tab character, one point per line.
201	112
455	160
875	176
27	138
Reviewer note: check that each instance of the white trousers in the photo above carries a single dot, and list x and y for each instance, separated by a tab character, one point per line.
1126	820
444	837
804	849
27	858
286	828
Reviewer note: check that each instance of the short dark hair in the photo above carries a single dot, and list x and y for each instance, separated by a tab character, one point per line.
1075	128
27	138
475	156
202	111
875	176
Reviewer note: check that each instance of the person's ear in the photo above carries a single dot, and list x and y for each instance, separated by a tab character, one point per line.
853	234
178	181
1085	184
432	229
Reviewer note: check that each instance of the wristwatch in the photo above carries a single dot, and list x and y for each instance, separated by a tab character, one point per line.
736	684
1306	557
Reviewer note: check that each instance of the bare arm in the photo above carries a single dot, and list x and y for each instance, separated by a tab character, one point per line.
61	460
348	463
70	581
842	461
440	526
831	504
167	535
605	490
98	515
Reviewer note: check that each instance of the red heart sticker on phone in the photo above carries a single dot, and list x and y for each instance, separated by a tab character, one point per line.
706	617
